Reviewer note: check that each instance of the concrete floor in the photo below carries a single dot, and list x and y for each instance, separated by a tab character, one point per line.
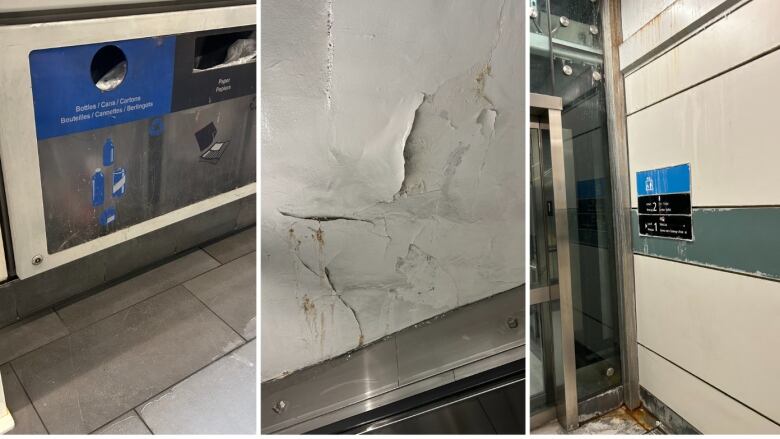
171	350
618	421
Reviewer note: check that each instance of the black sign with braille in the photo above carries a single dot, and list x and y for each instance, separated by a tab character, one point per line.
666	204
666	226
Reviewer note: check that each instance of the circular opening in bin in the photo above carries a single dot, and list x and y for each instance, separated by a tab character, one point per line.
108	68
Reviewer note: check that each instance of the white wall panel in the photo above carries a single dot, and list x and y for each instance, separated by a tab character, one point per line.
720	326
668	23
726	128
745	33
704	407
636	13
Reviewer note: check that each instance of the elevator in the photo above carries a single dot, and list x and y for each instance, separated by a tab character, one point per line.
575	356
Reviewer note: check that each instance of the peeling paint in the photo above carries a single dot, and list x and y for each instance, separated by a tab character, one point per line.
407	151
396	195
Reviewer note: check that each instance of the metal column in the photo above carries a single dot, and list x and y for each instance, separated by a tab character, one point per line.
621	194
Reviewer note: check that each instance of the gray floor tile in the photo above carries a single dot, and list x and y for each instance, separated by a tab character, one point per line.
23	412
231	293
84	380
136	289
220	399
29	335
234	246
128	423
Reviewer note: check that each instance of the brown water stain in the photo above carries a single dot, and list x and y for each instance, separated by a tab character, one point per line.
308	306
322	331
643	418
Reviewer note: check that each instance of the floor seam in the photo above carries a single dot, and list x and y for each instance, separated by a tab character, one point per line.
218	266
181	284
231	260
71	333
67	330
186	377
29	398
143	421
169	388
214	312
127	280
244	341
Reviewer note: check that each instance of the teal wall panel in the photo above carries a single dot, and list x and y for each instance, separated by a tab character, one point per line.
745	240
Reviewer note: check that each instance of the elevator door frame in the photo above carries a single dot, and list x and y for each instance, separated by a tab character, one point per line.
548	110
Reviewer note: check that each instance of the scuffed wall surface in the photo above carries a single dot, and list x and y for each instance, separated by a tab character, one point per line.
392	168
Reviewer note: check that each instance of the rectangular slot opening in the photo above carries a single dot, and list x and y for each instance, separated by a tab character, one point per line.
225	50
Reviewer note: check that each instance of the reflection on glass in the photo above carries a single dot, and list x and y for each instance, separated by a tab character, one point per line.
567	61
540	64
577	46
538	260
536	362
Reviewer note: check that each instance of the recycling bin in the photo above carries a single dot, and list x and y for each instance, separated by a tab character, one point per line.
113	127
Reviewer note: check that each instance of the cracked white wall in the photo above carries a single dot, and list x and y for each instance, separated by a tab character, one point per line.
392	168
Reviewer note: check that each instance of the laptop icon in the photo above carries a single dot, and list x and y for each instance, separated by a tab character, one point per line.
210	150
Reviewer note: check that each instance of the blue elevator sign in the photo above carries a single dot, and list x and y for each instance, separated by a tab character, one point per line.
670	180
664	202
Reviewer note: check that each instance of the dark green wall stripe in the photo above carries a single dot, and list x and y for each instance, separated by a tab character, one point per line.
745	240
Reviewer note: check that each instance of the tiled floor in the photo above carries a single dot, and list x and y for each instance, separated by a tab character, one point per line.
618	421
171	350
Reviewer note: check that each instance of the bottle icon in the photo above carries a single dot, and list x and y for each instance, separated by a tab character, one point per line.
98	183
108	152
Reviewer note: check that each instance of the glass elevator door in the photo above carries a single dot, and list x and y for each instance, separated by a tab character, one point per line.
574	349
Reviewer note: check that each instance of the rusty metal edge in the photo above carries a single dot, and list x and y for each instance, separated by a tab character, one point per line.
621	199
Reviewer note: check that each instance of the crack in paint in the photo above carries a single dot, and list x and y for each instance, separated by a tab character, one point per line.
361	339
329	64
323	218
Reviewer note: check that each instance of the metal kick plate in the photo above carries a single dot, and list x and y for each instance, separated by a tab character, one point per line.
468	340
478	330
330	385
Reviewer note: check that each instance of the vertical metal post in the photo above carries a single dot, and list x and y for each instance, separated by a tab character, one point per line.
567	404
621	198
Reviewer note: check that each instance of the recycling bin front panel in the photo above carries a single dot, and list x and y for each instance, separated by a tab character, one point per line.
115	137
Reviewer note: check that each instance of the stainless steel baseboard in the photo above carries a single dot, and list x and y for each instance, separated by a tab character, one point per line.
457	345
672	422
